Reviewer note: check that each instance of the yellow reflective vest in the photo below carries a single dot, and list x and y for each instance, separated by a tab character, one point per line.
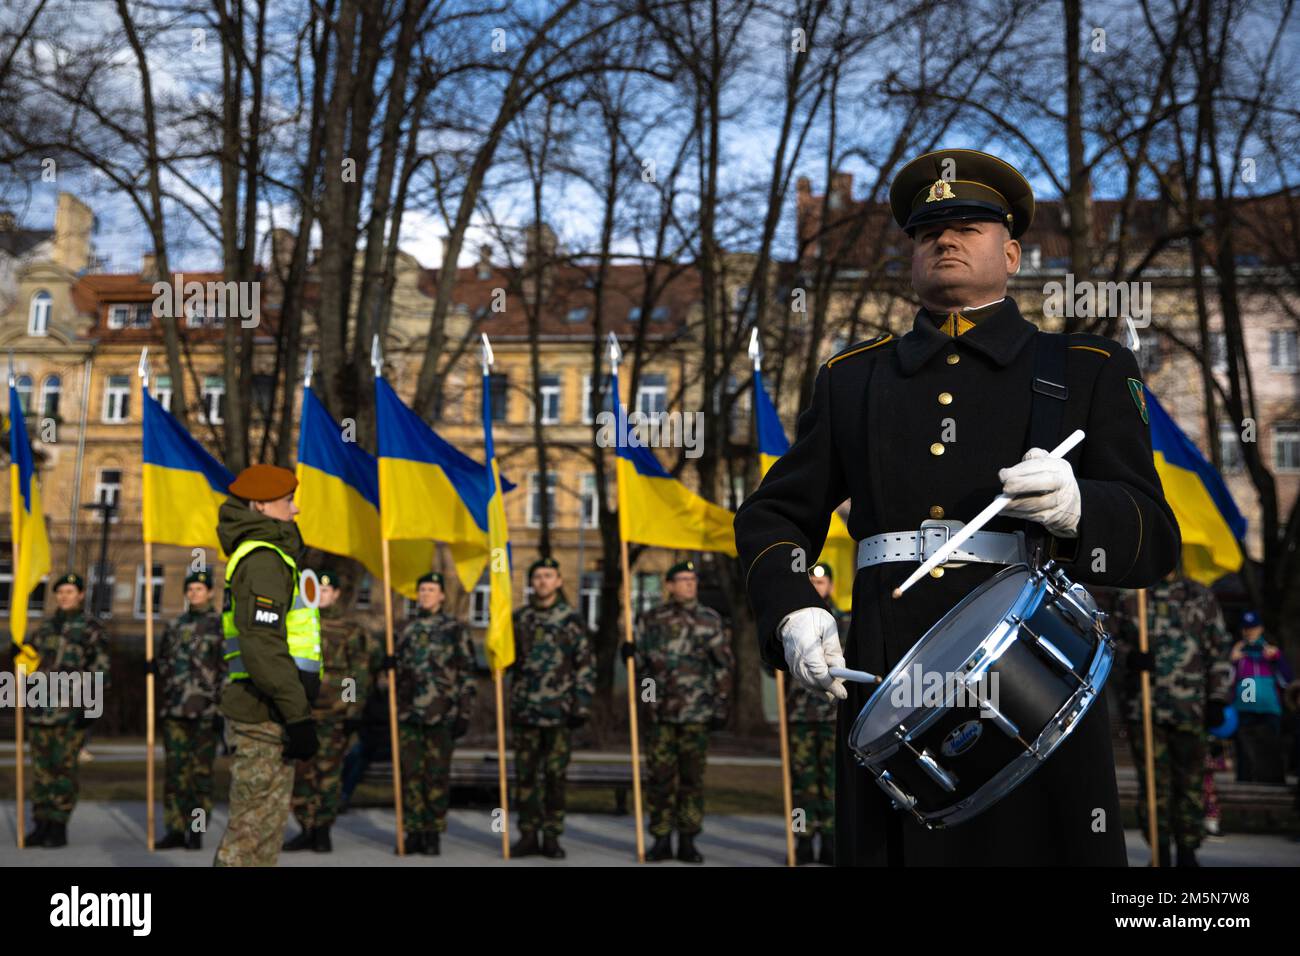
302	623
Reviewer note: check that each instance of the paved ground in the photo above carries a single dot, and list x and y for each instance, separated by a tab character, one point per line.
112	834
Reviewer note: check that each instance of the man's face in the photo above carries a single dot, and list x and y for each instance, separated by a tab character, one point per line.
962	263
684	586
545	582
1253	634
327	594
822	586
68	597
281	509
196	592
430	596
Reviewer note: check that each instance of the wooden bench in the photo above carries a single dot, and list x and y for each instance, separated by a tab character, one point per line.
482	774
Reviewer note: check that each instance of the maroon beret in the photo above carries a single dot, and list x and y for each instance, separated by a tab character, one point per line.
263	483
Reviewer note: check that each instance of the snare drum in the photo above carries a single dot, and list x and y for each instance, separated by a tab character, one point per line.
989	693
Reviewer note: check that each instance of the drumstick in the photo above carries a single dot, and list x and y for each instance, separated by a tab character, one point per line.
860	677
981	519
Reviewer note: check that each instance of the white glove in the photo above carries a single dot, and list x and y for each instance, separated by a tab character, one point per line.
812	647
1046	491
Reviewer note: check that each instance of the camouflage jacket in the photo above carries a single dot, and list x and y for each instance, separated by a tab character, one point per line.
686	650
554	673
803	706
1191	645
71	644
346	652
191	665
435	670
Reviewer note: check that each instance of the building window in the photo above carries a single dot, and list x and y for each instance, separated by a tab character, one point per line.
1218	352
1148	352
1282	350
130	315
162	390
535	498
214	399
143	316
100	598
157	591
1230	448
1286	446
589	598
498	391
479	602
652	394
35	601
550	395
580	314
196	313
117	399
38	318
118	316
588	501
647	591
606	397
23	385
108	488
50	391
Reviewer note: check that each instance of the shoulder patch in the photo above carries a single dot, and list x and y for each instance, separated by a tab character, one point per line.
1139	398
859	348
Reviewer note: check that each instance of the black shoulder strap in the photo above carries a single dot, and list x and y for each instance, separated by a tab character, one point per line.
1047	404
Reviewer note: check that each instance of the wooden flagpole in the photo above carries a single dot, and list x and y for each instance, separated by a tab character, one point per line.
20	679
631	699
392	704
501	763
786	793
148	695
1148	734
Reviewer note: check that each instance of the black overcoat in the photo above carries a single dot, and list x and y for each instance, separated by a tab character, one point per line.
871	435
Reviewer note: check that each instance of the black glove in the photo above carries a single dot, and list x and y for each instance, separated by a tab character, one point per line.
718	723
460	728
151	667
627	649
389	663
303	743
575	721
1141	661
1213	713
352	725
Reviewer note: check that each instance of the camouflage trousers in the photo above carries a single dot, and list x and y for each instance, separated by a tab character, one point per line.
54	769
426	775
1180	766
675	794
544	752
812	774
316	782
191	747
260	787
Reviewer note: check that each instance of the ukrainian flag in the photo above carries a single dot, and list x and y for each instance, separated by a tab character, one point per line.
840	550
429	489
655	508
1211	526
338	501
500	640
28	519
183	485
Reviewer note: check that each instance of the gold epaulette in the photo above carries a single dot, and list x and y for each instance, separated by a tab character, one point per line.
859	348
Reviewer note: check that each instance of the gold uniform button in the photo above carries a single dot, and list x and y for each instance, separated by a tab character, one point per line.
936	512
945	398
936	572
936	448
954	358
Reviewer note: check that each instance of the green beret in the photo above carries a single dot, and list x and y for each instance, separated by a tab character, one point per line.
73	578
199	577
543	563
433	577
678	568
329	576
956	184
822	571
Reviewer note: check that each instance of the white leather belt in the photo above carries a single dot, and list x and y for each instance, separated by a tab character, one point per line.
988	547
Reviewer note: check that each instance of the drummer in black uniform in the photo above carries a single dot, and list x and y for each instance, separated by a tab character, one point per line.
921	433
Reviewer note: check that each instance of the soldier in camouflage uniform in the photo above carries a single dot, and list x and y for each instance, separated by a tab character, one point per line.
685	649
811	719
1191	683
190	667
435	695
74	644
551	684
346	652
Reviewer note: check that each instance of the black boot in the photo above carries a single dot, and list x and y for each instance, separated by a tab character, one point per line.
173	840
38	834
194	840
303	841
686	851
803	850
551	848
432	843
662	849
1187	856
413	843
322	843
827	855
527	845
57	835
1164	856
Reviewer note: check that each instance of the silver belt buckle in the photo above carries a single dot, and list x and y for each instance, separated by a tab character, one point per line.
949	525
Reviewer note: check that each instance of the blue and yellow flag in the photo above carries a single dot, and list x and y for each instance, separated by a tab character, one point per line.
655	508
1211	526
840	551
28	520
184	486
500	640
338	502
